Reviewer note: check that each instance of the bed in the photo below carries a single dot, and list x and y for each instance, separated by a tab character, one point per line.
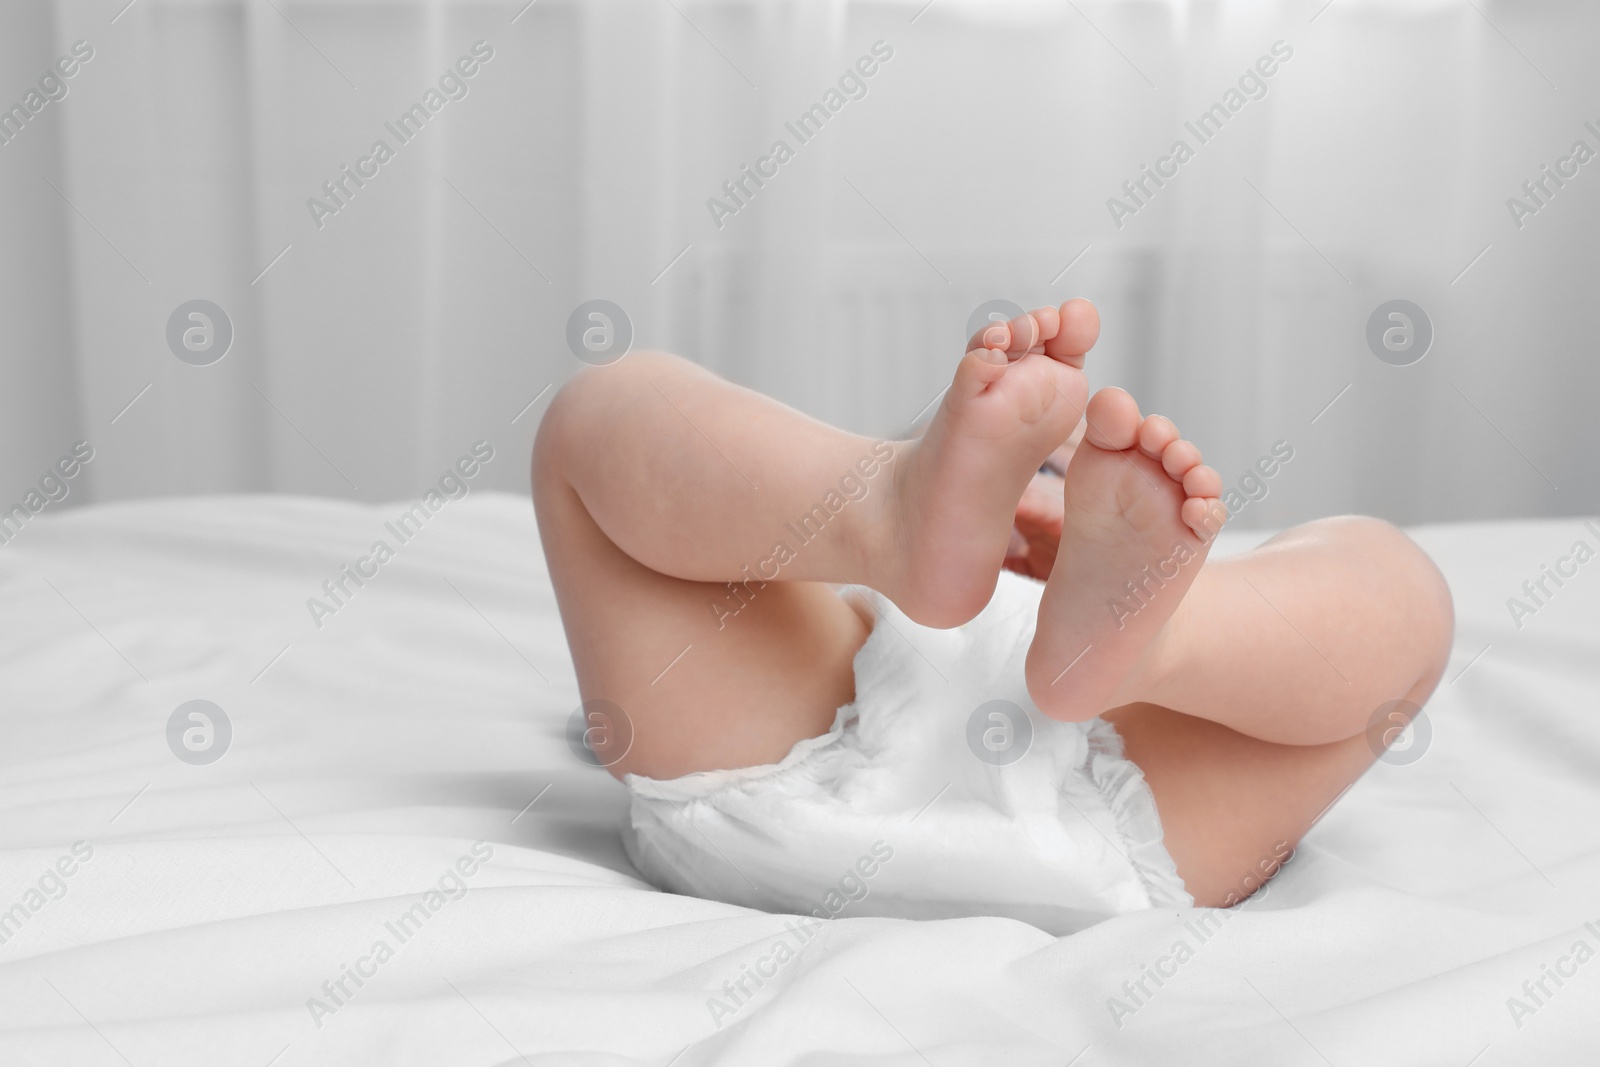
396	771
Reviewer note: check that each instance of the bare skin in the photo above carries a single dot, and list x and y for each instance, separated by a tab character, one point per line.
1242	687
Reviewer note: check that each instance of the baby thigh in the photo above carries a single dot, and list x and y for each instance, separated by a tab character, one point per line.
1233	807
705	675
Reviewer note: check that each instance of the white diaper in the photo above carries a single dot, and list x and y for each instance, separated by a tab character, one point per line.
893	812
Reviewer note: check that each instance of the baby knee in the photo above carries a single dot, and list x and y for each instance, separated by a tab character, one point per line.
590	403
1420	589
1407	577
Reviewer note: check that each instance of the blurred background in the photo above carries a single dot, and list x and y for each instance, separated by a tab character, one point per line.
983	159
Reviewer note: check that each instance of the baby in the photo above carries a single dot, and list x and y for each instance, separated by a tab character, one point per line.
819	660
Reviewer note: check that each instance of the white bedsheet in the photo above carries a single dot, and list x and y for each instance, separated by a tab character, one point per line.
427	714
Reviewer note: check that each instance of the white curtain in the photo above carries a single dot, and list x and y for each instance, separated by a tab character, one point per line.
372	350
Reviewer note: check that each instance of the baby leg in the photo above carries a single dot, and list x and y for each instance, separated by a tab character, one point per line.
1242	688
1301	640
691	527
1296	642
645	485
1255	709
1233	807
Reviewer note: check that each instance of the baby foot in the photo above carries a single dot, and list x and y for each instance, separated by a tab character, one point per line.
1141	512
1017	395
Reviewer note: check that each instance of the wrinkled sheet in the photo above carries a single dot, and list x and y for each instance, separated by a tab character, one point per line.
211	908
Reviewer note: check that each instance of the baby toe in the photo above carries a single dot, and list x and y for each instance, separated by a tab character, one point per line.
1078	328
1025	334
1155	435
1179	459
1202	481
1049	320
1113	420
1204	515
992	335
